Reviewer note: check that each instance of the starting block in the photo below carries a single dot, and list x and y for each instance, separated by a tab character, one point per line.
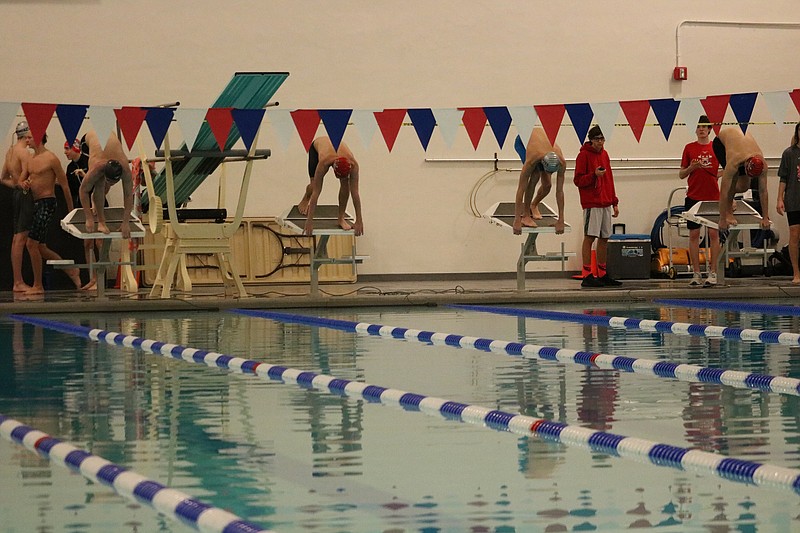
502	214
706	213
75	224
326	224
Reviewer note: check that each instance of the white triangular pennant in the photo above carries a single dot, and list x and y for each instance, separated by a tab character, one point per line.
524	119
281	121
448	120
8	115
190	122
691	109
605	116
104	121
364	121
777	103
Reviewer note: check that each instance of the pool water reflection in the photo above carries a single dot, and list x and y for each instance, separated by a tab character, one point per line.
294	459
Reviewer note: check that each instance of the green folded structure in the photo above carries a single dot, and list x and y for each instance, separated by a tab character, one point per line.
246	90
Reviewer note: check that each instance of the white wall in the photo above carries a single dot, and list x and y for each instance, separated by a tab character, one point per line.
362	55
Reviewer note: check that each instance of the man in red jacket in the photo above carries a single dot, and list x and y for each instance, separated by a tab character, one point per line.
595	183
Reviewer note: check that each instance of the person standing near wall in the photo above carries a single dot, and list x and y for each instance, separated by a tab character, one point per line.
789	198
741	159
701	167
599	201
540	161
14	162
321	158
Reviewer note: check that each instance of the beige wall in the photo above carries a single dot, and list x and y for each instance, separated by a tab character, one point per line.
362	55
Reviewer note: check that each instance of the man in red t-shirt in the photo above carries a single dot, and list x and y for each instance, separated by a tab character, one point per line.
700	165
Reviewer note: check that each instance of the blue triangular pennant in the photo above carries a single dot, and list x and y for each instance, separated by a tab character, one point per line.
248	121
500	120
71	118
335	122
521	149
158	121
581	116
665	110
742	106
423	122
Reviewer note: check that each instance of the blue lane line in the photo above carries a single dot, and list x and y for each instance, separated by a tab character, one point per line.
785	310
659	326
739	470
640	366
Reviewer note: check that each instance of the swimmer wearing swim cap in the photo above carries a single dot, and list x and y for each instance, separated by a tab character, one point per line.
107	165
322	157
541	159
741	159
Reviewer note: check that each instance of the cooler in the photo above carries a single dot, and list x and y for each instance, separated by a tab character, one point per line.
628	256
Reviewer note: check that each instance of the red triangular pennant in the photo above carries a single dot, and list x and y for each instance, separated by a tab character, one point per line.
220	121
390	121
38	117
474	120
306	121
715	108
795	96
550	116
130	122
636	112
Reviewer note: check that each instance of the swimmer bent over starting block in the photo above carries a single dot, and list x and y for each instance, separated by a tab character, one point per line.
541	159
321	158
107	166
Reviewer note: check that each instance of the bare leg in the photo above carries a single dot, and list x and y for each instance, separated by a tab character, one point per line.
694	249
17	253
344	196
527	218
794	253
303	205
544	190
88	250
36	265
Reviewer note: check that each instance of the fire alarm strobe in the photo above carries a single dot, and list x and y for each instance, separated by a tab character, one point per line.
679	73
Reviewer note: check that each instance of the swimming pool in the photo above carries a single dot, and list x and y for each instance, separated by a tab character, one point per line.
291	458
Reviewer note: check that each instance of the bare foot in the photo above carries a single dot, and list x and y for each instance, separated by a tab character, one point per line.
796	281
75	275
34	290
89	286
528	222
535	213
22	287
303	207
102	228
345	225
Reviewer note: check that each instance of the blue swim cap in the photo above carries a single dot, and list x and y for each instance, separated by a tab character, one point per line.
551	162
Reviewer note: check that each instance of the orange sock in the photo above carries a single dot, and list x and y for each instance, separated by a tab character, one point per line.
587	270
601	270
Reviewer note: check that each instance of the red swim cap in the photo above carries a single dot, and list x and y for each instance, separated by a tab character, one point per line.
342	167
75	146
754	166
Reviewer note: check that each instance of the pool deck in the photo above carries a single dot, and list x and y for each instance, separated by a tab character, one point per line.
410	290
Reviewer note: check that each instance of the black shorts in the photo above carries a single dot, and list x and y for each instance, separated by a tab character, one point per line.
719	152
793	217
687	204
44	211
23	210
313	161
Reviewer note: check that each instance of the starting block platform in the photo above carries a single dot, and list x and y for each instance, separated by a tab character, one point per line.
75	224
706	213
502	214
326	224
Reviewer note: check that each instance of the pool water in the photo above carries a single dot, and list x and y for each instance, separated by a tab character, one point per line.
294	459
